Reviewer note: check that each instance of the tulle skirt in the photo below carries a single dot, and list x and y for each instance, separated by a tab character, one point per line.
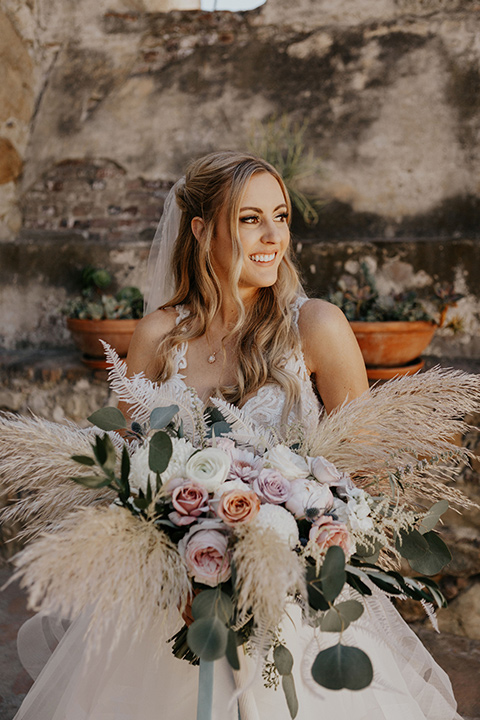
140	681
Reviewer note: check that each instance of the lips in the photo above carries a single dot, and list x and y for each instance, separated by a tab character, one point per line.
263	257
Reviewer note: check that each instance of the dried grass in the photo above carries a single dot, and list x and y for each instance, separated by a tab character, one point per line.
104	560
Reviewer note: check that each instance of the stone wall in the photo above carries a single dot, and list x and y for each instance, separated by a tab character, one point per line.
104	103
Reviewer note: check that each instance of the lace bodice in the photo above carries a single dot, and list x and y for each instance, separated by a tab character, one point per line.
266	406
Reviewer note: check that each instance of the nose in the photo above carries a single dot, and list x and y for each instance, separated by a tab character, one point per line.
271	233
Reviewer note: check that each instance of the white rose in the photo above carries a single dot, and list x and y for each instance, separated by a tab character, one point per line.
309	495
208	468
140	473
280	520
325	471
291	465
181	451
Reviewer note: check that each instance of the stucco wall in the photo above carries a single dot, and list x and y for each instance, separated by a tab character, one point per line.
389	89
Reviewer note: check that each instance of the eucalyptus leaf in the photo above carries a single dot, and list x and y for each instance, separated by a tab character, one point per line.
351	610
433	516
332	574
316	598
288	686
159	452
92	481
411	545
283	659
108	418
160	417
342	666
207	638
84	460
437	556
332	621
221	428
367	550
211	603
232	652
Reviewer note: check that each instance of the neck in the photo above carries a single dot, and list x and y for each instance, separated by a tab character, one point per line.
227	313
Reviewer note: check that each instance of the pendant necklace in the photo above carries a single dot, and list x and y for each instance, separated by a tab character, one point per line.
211	358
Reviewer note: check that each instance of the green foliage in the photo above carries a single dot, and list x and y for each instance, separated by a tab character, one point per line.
207	638
160	417
159	452
359	299
281	142
209	603
108	418
426	553
93	304
332	574
342	666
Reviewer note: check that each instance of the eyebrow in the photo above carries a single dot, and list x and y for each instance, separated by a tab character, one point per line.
261	211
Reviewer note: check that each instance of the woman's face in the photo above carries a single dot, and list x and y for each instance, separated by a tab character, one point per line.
263	232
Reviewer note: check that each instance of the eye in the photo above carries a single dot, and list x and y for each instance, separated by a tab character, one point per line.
250	219
282	217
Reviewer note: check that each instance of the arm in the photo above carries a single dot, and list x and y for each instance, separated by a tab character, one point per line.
331	353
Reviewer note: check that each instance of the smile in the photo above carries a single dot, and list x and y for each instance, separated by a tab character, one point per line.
263	258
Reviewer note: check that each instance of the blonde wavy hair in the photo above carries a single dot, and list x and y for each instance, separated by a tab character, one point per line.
265	334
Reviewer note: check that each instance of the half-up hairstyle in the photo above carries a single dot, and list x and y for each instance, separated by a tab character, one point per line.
265	332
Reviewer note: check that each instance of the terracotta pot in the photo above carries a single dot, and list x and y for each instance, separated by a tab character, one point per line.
392	344
87	334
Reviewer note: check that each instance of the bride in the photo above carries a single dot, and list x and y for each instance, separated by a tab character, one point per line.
228	317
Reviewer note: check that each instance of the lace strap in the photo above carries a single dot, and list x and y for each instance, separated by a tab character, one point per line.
298	303
180	350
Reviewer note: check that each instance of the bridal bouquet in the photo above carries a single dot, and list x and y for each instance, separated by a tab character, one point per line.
212	511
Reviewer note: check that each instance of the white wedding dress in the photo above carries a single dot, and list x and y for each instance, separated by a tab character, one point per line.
142	682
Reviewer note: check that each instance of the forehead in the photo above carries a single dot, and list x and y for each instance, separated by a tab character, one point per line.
263	189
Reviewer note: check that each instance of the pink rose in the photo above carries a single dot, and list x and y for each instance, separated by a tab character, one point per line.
238	506
206	556
189	500
272	487
326	532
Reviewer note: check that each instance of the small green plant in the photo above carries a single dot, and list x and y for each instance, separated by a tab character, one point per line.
281	142
93	304
359	299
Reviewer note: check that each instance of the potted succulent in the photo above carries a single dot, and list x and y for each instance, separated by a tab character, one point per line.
95	315
392	330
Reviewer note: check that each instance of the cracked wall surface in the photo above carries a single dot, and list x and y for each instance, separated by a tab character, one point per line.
106	102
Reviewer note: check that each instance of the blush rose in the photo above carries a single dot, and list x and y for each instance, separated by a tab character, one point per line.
206	555
326	532
189	501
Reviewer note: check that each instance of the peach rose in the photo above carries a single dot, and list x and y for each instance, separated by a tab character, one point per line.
238	506
326	532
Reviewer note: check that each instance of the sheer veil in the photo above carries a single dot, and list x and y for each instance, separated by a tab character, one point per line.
160	281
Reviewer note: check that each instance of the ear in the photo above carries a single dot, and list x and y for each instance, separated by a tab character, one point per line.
198	227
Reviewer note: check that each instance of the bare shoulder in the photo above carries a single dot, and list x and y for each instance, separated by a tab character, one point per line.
147	336
331	352
316	311
321	320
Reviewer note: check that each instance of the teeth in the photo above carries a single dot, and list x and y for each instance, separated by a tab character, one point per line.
263	258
